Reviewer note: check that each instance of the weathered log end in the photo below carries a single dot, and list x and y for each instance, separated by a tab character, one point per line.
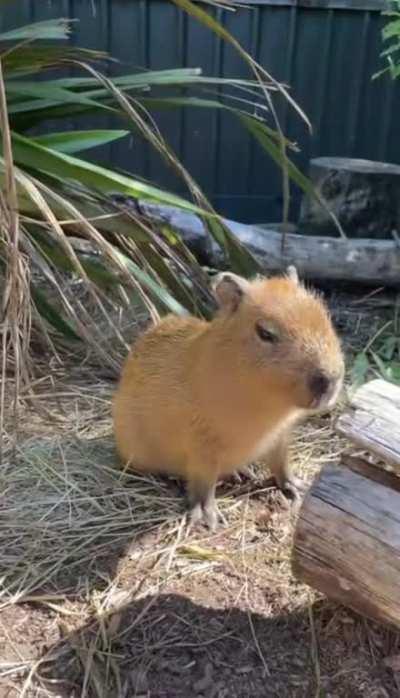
347	540
372	420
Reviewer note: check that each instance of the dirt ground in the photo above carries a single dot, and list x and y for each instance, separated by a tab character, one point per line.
103	593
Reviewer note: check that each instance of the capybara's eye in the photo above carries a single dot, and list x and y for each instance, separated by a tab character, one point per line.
267	334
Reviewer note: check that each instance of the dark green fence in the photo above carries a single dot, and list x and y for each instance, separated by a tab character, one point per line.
327	50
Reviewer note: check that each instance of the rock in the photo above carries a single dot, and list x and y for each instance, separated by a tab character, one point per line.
393	662
207	681
245	669
139	681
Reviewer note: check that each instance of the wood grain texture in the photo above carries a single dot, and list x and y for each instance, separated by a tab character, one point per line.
347	540
373	420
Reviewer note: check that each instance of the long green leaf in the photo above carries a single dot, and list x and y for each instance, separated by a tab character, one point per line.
35	156
171	280
53	316
76	141
49	30
53	106
101	97
44	107
253	124
263	135
150	78
98	272
161	294
43	95
29	59
359	370
219	30
156	78
107	218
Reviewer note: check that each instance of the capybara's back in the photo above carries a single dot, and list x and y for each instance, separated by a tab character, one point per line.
152	404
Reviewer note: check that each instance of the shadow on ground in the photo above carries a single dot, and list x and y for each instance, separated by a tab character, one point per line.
166	646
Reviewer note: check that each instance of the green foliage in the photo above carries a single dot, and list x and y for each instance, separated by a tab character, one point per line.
381	356
391	35
61	194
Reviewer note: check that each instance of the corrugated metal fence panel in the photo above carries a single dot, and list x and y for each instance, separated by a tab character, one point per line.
327	54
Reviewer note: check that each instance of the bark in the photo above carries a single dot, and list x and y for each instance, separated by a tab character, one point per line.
347	541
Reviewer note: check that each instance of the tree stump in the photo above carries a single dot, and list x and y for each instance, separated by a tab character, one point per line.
347	540
364	196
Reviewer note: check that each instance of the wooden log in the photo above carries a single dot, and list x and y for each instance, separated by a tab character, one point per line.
364	196
371	262
373	420
347	540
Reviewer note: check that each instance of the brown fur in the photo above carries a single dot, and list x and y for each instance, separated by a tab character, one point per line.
201	399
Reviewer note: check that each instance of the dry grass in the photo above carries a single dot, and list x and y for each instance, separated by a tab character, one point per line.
103	593
15	304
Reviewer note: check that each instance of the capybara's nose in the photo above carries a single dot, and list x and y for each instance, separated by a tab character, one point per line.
319	384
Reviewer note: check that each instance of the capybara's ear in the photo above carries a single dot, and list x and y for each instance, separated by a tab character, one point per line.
229	290
292	274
